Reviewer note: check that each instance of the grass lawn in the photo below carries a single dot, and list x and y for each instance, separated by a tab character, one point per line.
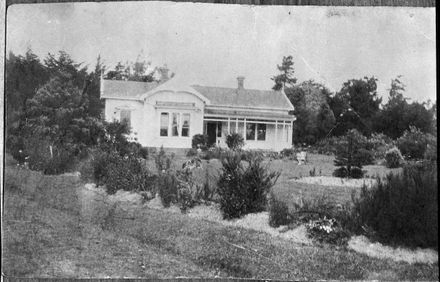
51	230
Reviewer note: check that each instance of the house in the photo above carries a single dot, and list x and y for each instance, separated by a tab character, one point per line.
168	114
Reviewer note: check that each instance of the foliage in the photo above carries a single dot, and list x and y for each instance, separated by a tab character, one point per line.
199	141
140	70
348	155
128	174
286	74
431	149
167	188
162	160
403	209
287	153
234	141
413	143
39	156
244	190
356	106
278	212
314	118
398	115
393	158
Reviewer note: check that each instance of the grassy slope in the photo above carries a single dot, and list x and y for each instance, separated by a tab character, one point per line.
48	231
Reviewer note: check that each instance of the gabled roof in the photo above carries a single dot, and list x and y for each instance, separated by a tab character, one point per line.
214	96
122	89
247	98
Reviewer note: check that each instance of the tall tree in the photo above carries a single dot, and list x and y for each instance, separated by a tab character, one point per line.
314	119
398	115
24	75
59	113
356	105
286	77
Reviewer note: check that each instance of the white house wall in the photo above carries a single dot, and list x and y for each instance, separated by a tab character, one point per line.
113	109
151	115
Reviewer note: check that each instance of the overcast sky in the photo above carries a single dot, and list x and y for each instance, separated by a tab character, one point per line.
212	44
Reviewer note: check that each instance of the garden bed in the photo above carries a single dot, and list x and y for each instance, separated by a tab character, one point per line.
259	222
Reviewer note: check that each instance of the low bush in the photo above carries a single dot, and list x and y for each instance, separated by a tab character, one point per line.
213	153
288	153
167	188
234	141
40	156
413	143
349	155
403	210
393	158
431	149
278	212
128	174
162	160
199	141
243	190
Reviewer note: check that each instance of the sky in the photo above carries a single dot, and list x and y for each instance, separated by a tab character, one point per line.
210	44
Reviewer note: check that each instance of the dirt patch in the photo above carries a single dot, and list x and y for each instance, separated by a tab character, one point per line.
361	244
336	181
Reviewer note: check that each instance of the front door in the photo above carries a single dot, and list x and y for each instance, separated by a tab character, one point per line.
211	131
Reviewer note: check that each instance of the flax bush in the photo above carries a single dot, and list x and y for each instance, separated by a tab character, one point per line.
244	189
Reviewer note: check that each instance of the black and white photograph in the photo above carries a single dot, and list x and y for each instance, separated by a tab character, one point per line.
181	140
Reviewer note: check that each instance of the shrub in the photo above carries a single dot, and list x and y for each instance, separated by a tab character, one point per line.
191	152
40	157
234	141
167	187
413	143
366	157
431	149
402	210
243	190
278	212
162	160
128	174
349	156
393	158
213	153
199	141
287	153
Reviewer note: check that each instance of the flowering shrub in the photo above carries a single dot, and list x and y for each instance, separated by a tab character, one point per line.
327	230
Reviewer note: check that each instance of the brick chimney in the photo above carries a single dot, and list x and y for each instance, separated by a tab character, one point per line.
240	80
164	73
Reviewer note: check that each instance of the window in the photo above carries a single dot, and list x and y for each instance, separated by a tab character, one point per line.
232	127
250	131
175	125
164	121
261	132
125	117
185	125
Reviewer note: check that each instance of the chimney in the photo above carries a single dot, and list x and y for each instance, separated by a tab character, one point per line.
240	80
164	73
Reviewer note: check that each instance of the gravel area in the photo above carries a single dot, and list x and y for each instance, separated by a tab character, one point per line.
336	181
361	244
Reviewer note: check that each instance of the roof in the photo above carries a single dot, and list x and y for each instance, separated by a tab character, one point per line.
249	98
123	89
214	96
